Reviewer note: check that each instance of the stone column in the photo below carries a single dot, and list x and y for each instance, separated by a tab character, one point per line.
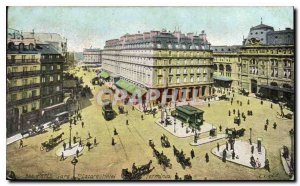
180	94
200	92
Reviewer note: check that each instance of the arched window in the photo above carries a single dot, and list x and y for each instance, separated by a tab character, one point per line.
21	46
30	46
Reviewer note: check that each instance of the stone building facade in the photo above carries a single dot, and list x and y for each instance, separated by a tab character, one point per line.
23	85
162	60
92	57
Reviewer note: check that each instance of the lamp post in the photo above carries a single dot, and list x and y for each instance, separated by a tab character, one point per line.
250	136
292	151
74	162
70	140
175	116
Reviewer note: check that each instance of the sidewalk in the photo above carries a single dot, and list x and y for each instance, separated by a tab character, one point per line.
18	136
180	131
286	163
209	139
242	149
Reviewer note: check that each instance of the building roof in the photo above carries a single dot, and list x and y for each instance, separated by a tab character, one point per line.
261	26
91	50
47	49
190	110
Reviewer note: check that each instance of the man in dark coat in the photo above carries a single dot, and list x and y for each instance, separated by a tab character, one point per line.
206	158
192	153
274	125
64	145
233	155
252	149
218	147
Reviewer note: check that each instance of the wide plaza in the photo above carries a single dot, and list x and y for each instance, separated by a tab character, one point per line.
105	161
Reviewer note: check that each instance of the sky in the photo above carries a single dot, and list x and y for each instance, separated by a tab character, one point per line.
92	26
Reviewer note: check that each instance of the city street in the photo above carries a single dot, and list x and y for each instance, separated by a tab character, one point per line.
105	161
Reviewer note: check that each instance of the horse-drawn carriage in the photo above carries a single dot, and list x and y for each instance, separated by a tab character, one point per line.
162	159
232	133
48	145
34	131
244	92
187	177
150	111
164	141
180	158
223	97
136	173
237	120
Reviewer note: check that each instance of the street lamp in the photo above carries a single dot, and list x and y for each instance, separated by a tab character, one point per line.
74	162
250	136
175	116
70	147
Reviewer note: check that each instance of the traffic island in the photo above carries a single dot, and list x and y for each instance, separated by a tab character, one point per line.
69	151
185	131
209	139
242	150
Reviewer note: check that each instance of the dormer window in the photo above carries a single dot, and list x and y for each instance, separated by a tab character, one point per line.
30	46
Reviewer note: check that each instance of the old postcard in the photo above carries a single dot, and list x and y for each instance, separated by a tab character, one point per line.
150	93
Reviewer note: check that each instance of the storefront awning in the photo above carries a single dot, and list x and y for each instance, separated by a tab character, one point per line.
277	88
130	87
222	78
104	74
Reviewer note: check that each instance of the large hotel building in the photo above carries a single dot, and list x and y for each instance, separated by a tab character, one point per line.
160	60
264	64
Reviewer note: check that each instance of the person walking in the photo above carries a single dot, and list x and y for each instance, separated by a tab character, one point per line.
142	117
248	102
220	128
274	125
226	145
271	105
208	104
82	124
77	153
206	158
127	122
252	149
21	144
95	141
112	141
192	154
80	142
218	147
176	176
266	127
89	135
64	145
74	139
62	157
233	155
229	113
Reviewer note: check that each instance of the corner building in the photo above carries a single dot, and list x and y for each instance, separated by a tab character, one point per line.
161	60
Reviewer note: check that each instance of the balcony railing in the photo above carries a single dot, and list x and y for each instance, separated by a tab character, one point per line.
11	62
23	87
24	73
23	101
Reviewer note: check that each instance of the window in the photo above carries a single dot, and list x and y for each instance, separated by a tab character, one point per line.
58	88
58	77
13	97
32	57
24	82
34	93
43	79
14	69
198	78
51	78
184	79
25	69
24	95
178	80
24	109
192	79
58	67
51	67
33	106
43	68
23	58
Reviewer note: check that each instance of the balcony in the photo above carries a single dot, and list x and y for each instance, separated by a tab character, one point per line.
23	101
24	74
23	87
11	62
